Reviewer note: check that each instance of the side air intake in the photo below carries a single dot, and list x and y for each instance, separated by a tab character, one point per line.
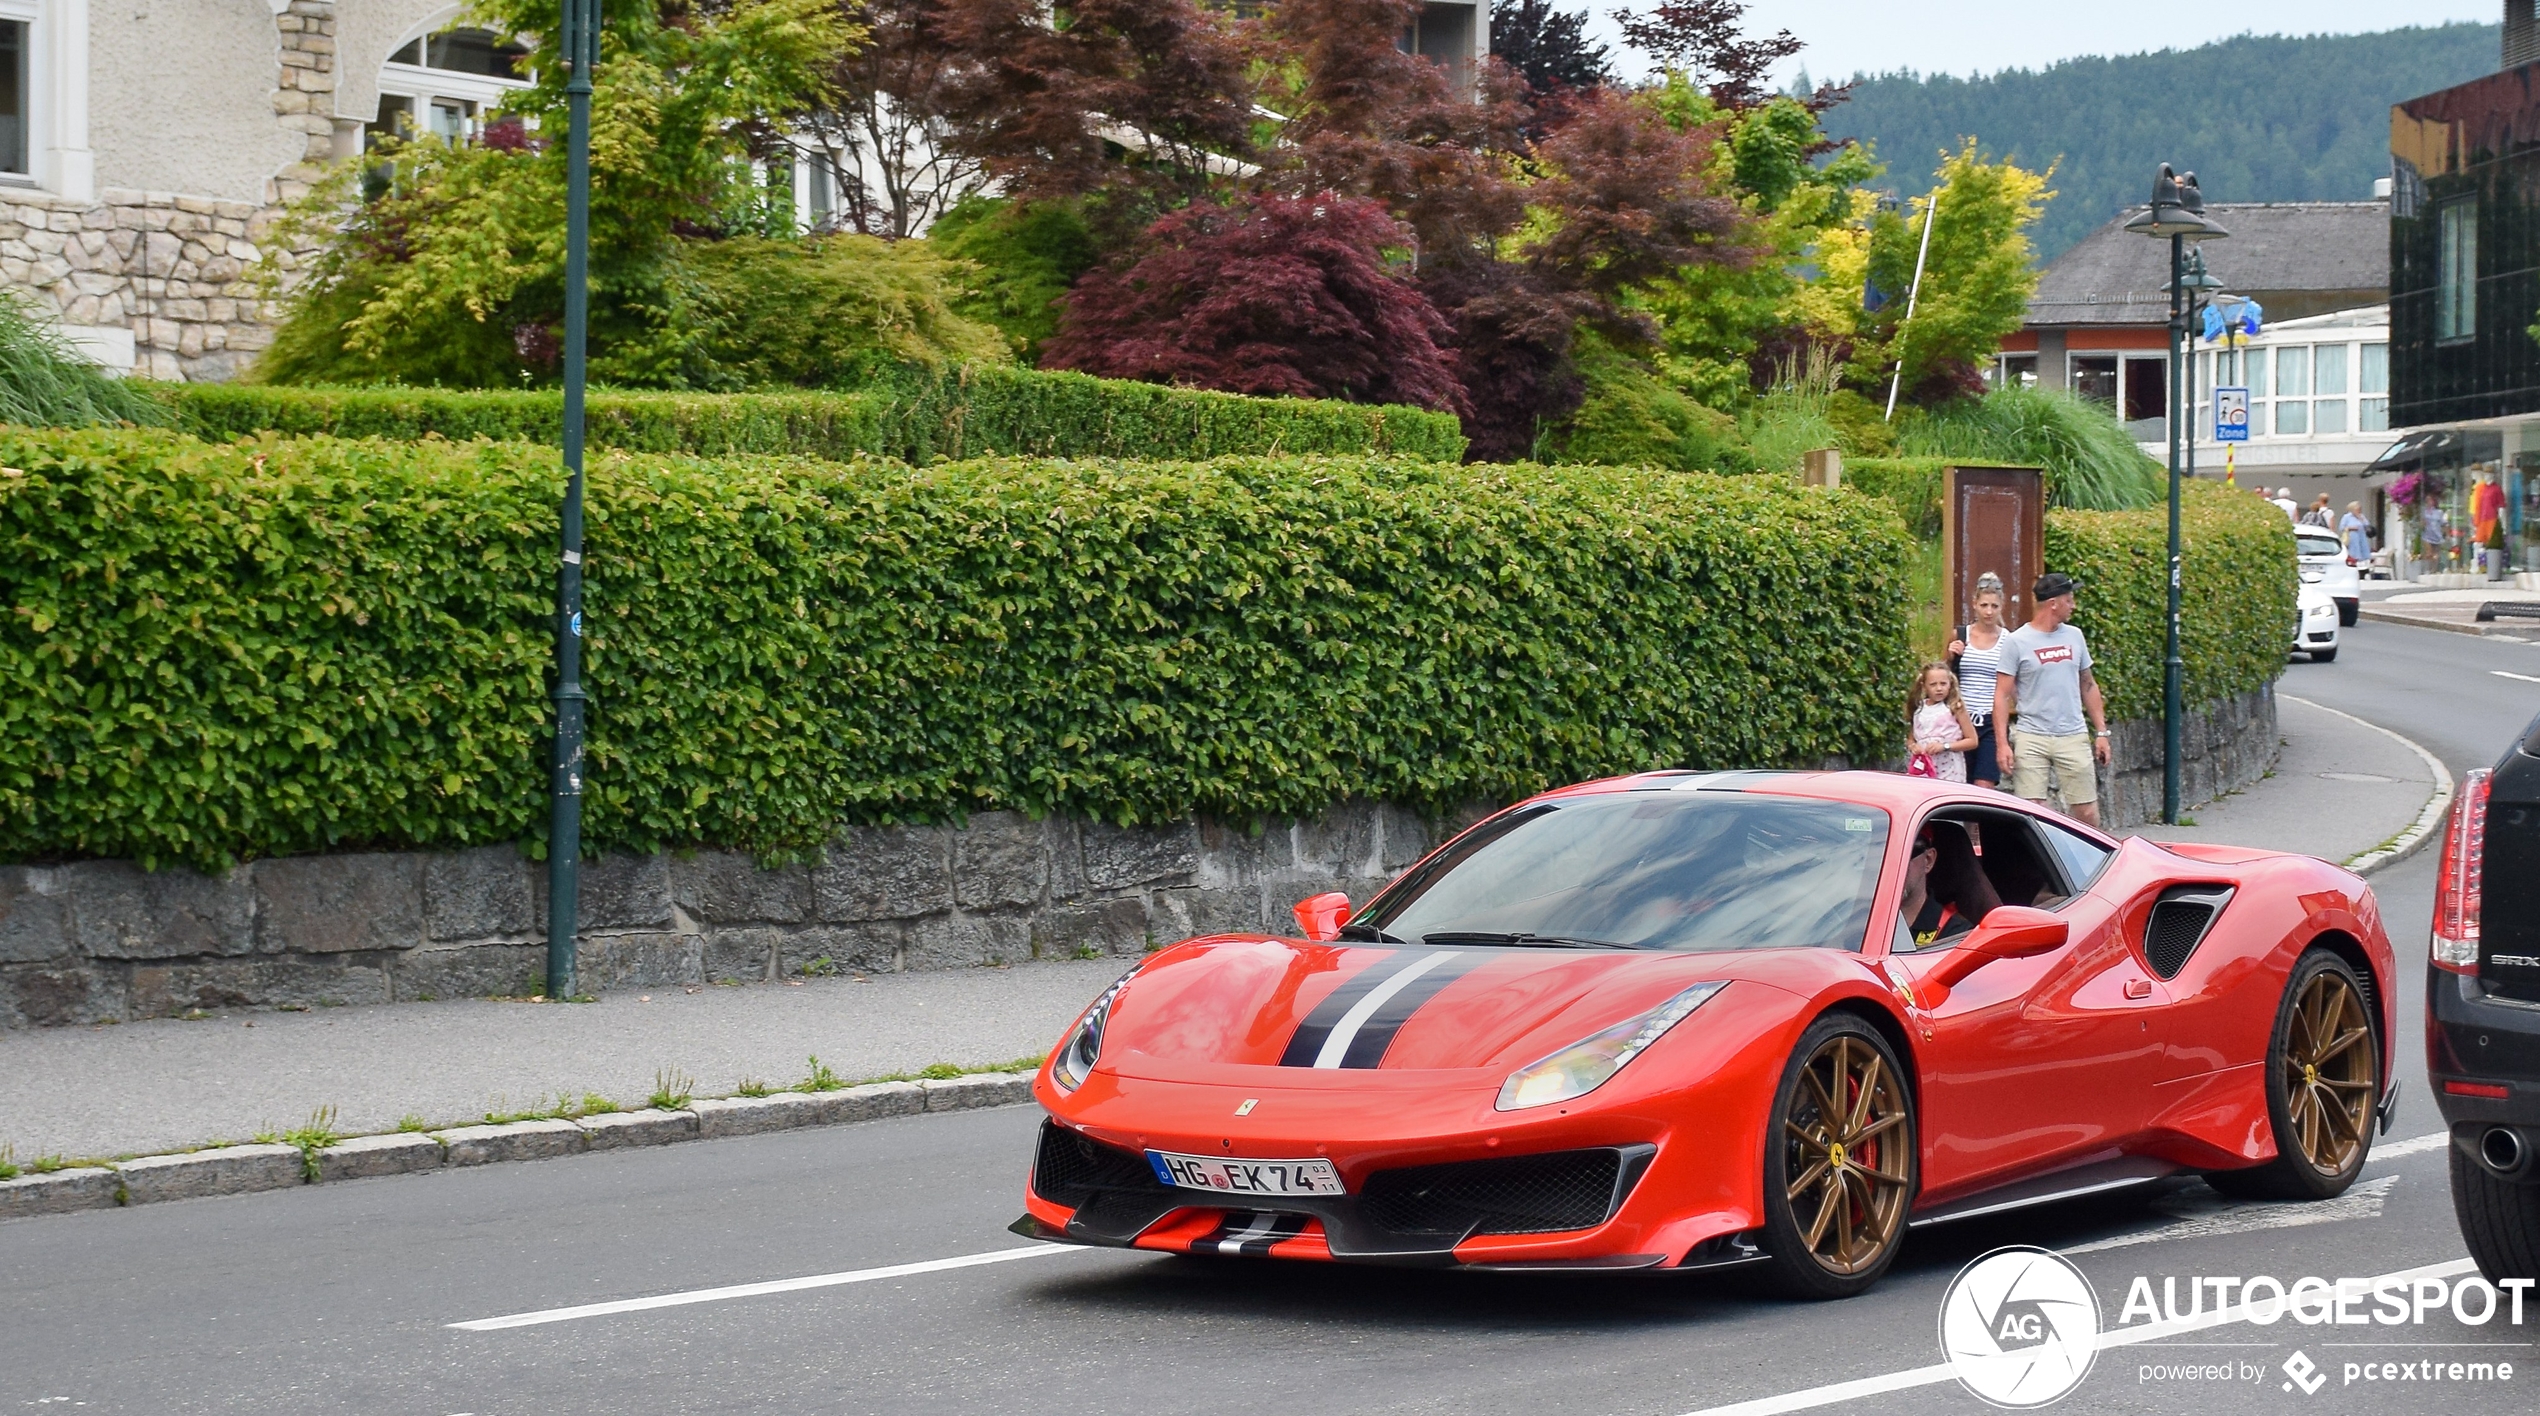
2181	919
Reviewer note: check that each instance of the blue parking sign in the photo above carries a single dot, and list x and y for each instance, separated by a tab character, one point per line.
2231	415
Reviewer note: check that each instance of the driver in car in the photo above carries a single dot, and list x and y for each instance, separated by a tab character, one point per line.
1946	892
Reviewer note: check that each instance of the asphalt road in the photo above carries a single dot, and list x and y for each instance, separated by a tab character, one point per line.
342	1298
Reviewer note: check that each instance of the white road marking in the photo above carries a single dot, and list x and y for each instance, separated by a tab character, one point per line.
753	1290
2503	673
1345	1032
2414	1145
2202	1218
1854	1390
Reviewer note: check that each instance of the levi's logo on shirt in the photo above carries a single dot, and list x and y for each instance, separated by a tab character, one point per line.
2055	654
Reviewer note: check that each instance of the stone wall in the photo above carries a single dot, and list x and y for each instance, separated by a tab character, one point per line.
2224	746
98	941
157	283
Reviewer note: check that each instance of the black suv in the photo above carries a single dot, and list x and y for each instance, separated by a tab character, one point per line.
2482	1003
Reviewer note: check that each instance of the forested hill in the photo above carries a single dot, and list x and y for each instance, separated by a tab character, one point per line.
2257	118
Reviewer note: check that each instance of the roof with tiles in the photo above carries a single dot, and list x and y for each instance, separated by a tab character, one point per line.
2279	249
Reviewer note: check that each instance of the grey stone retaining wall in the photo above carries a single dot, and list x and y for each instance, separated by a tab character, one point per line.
99	941
2224	746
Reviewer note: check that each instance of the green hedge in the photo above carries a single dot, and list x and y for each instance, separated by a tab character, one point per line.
913	414
230	650
2237	583
1910	484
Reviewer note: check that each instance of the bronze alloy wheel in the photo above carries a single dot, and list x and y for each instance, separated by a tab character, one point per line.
1844	1175
2328	1072
2322	1086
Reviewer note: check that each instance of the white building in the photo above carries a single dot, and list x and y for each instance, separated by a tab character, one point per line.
144	144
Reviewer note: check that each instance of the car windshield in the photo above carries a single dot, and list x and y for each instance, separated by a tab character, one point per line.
2319	546
1678	870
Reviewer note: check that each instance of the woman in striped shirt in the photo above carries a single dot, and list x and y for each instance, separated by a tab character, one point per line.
1976	656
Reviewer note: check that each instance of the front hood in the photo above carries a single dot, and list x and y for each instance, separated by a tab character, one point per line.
1284	1003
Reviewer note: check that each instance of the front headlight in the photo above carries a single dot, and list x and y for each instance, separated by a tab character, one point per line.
1083	1047
2322	611
1585	1065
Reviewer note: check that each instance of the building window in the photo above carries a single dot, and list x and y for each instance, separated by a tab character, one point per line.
445	84
2328	376
13	98
2095	377
2015	371
2372	380
2456	282
2147	389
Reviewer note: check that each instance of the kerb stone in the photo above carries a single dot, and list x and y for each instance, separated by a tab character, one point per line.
753	1115
231	1170
59	1192
875	1100
520	1140
618	1130
365	1156
973	1092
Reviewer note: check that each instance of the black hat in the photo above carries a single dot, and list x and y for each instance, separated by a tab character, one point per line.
2055	583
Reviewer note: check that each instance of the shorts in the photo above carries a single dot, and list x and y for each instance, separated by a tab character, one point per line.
1984	764
2069	757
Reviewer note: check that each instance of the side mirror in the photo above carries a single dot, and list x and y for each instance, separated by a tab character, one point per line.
2008	932
1322	916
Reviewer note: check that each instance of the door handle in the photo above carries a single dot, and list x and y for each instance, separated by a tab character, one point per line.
2138	988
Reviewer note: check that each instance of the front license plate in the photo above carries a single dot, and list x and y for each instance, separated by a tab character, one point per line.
1246	1177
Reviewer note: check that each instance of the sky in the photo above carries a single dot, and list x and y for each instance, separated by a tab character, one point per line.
1982	36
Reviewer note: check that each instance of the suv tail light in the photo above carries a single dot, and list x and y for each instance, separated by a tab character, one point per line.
2456	887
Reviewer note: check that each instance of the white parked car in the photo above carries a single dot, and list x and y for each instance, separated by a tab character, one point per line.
2315	631
2325	565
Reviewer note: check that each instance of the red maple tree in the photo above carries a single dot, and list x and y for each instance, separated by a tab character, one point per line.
1274	295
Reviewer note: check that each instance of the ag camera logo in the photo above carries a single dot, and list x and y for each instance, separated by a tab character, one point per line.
2019	1327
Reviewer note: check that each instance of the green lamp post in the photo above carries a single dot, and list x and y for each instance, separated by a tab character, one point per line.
579	52
2177	212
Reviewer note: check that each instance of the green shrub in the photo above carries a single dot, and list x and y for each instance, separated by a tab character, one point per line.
1784	424
231	650
913	414
2089	460
1910	484
2236	576
1632	418
1021	259
824	313
43	384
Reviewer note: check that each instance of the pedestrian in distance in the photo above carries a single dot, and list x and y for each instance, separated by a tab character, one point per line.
2319	515
2285	503
2039	701
1941	733
2357	533
1975	656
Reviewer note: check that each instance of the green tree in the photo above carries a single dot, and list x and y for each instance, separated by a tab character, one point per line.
1976	280
452	271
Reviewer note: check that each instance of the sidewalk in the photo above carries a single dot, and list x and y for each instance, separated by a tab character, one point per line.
2454	610
2341	788
166	1083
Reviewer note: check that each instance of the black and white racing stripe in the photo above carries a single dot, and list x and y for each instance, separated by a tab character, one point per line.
1249	1233
1354	1026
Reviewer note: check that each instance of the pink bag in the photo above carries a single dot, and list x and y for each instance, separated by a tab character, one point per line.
1921	766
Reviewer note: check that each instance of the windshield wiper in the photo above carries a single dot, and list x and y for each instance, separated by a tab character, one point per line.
1550	941
1368	934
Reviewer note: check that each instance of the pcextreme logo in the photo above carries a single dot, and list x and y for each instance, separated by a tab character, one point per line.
2019	1327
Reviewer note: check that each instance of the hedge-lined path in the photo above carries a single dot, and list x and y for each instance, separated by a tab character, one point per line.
154	1086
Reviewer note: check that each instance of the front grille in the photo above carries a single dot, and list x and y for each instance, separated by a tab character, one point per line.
1521	1194
2178	924
1069	1168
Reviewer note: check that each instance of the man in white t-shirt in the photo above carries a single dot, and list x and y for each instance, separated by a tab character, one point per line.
2047	685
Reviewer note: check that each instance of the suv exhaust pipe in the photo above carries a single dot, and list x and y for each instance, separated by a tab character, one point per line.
2502	1151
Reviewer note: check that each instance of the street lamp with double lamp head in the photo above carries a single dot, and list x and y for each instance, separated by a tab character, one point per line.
2177	212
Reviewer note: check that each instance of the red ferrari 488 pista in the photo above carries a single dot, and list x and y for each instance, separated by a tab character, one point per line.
1683	1020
